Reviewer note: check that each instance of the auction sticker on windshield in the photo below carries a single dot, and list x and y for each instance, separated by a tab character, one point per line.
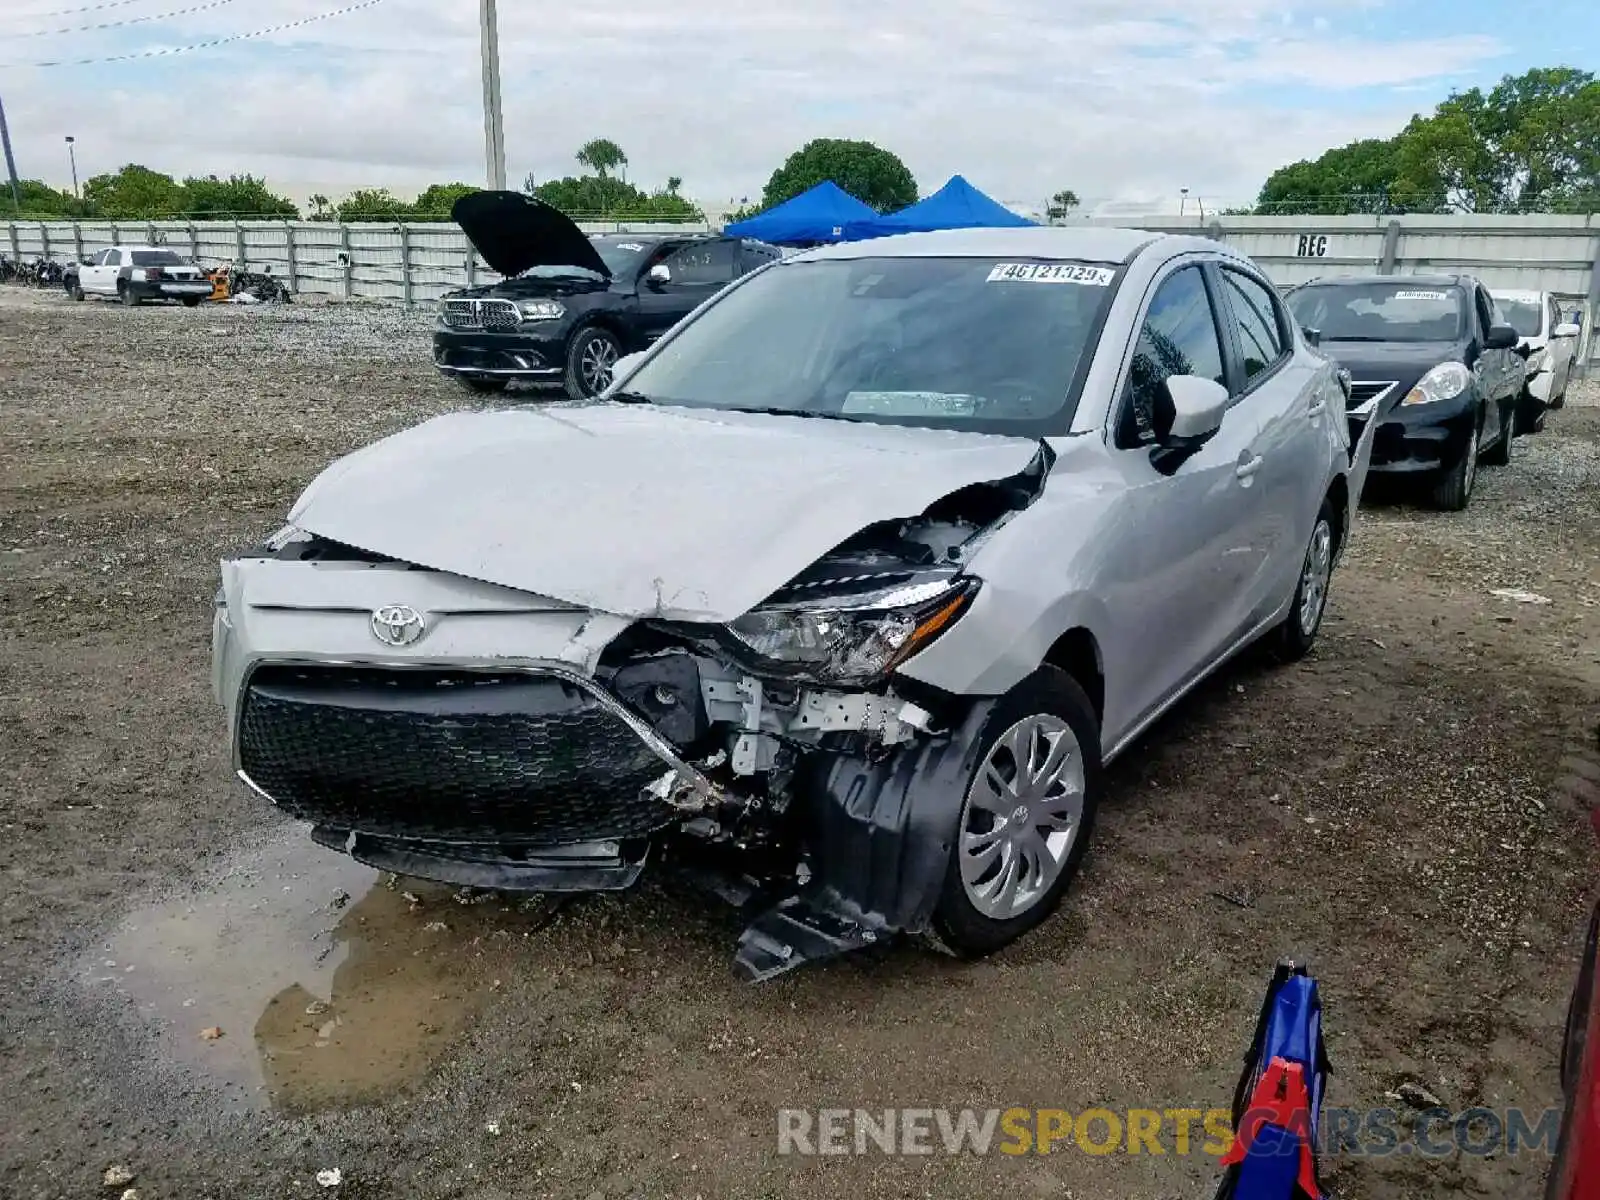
1051	273
1422	295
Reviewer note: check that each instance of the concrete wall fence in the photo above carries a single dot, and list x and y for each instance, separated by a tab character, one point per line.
416	263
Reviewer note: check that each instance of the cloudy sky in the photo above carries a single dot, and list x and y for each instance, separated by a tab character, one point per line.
1121	102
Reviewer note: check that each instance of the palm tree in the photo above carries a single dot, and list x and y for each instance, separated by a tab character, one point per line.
602	156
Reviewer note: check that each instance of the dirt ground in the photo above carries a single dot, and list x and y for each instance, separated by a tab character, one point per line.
1404	810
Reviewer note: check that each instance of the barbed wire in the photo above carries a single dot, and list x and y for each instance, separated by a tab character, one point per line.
207	45
177	12
73	12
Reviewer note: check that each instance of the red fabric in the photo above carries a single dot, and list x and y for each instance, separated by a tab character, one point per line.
1280	1098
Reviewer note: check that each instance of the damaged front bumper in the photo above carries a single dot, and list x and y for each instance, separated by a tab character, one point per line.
829	812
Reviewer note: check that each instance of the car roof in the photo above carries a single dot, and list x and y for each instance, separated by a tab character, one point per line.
1086	242
1523	295
142	247
1424	280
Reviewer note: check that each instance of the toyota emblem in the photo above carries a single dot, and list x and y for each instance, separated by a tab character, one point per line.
398	625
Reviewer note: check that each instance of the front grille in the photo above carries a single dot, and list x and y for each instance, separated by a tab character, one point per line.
447	756
481	314
1361	391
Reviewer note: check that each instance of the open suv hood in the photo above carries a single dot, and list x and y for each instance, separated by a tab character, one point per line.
640	510
514	232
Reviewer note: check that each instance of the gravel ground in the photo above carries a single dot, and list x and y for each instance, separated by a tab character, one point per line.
199	996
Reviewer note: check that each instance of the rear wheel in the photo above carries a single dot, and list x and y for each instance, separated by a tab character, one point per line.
1292	640
125	294
74	288
1499	454
1454	488
191	301
480	385
1026	818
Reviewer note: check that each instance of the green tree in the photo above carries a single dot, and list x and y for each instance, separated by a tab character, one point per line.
1062	203
868	172
602	156
321	208
237	196
435	201
136	193
38	200
373	204
1359	177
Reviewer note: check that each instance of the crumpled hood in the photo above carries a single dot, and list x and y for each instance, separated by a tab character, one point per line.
639	510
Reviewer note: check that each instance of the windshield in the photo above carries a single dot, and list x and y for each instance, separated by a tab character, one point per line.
1392	311
157	258
622	255
1525	316
953	343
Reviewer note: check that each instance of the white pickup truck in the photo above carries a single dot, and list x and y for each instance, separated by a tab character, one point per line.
136	273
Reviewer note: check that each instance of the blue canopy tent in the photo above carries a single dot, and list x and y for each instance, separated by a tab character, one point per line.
957	205
819	215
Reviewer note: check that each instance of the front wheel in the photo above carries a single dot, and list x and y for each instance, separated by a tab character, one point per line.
590	359
1026	818
1292	640
1454	488
1499	454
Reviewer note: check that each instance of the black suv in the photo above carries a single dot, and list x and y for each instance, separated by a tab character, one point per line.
1433	360
571	304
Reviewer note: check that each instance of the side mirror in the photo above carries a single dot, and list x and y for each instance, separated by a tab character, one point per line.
658	275
1313	336
1567	330
1501	337
1188	413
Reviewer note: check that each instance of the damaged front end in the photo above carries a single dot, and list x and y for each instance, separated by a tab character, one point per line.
776	758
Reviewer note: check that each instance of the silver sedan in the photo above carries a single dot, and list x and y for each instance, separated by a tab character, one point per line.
839	600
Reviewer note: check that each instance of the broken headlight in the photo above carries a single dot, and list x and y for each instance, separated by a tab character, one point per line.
858	641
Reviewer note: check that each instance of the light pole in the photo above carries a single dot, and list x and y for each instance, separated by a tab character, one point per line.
11	163
493	131
72	155
1183	200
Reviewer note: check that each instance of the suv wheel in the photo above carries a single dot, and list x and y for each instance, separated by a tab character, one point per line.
590	358
1453	491
1026	818
1293	639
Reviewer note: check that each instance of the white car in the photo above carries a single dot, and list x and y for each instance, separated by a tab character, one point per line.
135	273
845	589
1552	342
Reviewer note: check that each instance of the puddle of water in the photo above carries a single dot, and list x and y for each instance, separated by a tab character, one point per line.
330	988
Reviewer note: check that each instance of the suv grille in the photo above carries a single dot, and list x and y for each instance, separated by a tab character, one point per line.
481	314
447	756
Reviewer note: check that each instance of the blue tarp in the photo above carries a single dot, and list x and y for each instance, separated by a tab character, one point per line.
957	205
819	215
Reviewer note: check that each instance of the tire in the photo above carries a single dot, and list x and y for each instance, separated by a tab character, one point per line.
1454	489
1499	454
125	294
590	357
480	386
191	301
1297	633
75	290
1051	702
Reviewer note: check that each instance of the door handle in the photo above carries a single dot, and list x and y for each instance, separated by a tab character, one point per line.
1248	466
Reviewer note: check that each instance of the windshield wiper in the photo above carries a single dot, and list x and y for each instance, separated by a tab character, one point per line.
774	411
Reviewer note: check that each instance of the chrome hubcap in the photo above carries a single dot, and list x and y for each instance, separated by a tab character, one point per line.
1021	817
1314	577
599	356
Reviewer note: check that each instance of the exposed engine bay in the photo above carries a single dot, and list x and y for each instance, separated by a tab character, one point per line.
776	758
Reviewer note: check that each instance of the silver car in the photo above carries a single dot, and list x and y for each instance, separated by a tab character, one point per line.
838	601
